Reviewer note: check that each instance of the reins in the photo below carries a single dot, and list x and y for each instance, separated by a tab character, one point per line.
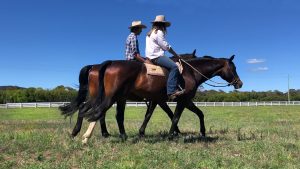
221	84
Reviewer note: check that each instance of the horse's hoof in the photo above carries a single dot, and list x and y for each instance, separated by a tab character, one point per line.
84	141
123	137
141	134
177	130
71	136
105	135
173	135
170	137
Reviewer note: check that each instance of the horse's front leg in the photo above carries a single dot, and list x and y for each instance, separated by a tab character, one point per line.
178	111
148	115
191	106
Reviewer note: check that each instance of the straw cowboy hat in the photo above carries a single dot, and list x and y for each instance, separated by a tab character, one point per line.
161	19
137	24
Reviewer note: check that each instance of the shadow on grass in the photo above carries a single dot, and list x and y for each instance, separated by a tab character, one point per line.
187	137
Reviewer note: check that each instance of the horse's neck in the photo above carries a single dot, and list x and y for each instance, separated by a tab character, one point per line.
207	67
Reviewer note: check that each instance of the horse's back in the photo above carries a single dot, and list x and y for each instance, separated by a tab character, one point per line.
130	78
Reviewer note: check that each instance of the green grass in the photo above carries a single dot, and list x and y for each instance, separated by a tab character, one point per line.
238	137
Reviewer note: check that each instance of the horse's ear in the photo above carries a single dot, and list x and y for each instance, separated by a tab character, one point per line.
231	58
194	53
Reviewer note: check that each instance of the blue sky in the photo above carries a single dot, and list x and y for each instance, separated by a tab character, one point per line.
44	43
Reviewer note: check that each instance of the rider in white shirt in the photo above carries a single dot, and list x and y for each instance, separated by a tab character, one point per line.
156	45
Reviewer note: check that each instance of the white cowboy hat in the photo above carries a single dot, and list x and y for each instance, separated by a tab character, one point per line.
137	24
161	18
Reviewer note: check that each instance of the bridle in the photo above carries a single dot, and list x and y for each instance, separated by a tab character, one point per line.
219	84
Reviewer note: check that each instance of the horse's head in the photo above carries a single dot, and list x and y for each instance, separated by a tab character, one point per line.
228	73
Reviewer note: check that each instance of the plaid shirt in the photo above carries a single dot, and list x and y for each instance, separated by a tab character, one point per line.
132	47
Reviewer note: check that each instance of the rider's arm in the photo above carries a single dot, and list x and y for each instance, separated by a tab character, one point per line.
173	52
162	42
139	57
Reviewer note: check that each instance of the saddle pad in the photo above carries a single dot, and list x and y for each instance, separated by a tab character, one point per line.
160	71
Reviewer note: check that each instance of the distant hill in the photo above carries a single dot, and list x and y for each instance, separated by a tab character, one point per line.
10	87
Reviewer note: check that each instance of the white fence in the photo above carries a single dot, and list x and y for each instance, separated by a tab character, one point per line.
143	104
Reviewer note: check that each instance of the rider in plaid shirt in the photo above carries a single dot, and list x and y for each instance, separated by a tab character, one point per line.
132	46
132	51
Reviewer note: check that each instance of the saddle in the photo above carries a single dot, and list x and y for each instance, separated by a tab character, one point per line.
156	70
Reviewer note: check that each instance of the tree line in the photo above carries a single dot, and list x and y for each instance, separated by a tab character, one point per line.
22	95
66	94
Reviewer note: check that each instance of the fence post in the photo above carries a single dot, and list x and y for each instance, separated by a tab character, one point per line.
6	105
223	104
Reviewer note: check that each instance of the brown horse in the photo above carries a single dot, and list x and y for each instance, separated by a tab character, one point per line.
121	80
89	84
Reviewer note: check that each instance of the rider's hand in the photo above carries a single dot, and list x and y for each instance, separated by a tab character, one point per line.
147	61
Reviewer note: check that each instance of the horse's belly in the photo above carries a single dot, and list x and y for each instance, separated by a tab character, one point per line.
158	96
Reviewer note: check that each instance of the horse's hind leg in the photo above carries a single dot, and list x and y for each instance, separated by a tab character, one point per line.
178	111
169	112
100	113
78	125
120	118
104	131
88	132
191	106
148	115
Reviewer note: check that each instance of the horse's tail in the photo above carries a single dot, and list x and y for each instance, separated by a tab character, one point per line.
101	81
71	108
101	91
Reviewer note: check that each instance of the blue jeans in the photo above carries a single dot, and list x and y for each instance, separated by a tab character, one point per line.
174	75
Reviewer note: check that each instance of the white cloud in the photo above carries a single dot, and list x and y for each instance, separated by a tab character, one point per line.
260	69
255	61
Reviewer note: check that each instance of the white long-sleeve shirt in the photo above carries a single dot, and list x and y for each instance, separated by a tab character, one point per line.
156	45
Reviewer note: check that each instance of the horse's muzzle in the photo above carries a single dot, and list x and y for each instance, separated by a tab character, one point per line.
238	84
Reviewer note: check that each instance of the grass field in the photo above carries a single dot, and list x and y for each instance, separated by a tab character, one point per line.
238	137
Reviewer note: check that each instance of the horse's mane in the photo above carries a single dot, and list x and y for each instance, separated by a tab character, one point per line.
202	58
185	56
209	57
